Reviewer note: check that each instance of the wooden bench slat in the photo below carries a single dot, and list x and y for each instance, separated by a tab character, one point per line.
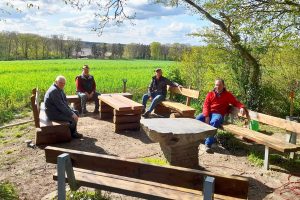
115	103
276	121
185	91
176	176
134	105
128	186
261	138
181	108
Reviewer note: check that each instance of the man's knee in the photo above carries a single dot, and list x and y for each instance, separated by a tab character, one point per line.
216	120
201	118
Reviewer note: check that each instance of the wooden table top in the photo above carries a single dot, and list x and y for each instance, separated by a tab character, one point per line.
120	102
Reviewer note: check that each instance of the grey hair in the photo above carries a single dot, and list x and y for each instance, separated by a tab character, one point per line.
60	78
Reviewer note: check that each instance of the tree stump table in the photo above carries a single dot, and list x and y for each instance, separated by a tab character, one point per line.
179	138
126	113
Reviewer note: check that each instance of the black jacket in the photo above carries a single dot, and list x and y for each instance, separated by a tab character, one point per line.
160	86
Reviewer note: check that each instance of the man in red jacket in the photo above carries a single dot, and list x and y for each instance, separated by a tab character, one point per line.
86	89
215	107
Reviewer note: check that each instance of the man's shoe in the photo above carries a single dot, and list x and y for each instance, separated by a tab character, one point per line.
208	149
76	135
146	114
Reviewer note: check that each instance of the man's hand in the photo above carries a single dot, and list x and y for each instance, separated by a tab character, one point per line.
180	86
207	120
243	111
75	117
150	98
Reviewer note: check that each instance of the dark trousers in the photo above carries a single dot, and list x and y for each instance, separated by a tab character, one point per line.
83	99
60	117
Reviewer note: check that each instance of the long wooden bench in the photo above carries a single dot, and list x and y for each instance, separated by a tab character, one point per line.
176	109
47	131
268	141
76	100
139	179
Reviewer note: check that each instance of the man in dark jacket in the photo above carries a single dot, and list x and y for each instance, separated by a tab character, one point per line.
157	91
57	108
86	89
215	107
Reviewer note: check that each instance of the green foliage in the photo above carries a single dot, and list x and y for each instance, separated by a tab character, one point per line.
8	191
19	77
155	48
228	141
256	158
155	161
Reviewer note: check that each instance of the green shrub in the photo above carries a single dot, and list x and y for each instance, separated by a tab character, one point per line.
8	191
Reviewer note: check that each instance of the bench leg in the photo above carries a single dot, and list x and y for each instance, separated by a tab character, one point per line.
64	165
266	159
291	138
208	188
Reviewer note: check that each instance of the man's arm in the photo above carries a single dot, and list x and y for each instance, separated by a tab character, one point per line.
172	83
94	86
60	104
206	108
79	87
233	101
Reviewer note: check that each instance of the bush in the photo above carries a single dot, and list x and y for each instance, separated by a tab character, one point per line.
8	192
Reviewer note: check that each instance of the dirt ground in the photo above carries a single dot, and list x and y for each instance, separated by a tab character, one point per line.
27	170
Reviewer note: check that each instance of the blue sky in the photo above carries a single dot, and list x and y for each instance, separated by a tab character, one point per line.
153	22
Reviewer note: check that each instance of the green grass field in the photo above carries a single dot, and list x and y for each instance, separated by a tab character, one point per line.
19	77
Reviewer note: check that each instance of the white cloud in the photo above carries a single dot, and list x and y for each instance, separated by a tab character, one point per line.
153	23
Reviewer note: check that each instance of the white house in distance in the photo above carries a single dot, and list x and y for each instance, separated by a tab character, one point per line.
84	53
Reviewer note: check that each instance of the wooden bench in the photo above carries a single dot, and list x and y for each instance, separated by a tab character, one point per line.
268	141
126	113
139	179
47	131
76	100
176	109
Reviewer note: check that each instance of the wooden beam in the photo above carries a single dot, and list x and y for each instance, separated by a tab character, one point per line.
127	126
291	126
115	103
234	186
261	138
35	110
184	91
129	112
126	118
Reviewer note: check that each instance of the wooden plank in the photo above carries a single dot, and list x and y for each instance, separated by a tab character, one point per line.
75	98
115	103
53	135
260	138
126	118
176	176
181	108
127	126
134	105
291	126
129	112
106	109
135	187
185	91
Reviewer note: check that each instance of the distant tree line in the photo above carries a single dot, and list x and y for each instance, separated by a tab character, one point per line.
24	46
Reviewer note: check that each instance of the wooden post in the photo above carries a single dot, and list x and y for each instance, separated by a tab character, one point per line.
188	99
64	165
124	85
291	138
35	109
208	188
266	159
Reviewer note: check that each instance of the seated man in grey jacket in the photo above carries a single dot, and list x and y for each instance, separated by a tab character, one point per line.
157	91
57	108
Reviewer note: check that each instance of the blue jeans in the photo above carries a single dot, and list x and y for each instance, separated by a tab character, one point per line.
156	99
215	120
